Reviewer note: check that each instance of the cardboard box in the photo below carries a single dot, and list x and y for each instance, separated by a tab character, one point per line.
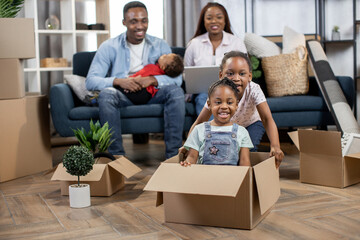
105	179
25	137
17	38
12	83
321	160
223	196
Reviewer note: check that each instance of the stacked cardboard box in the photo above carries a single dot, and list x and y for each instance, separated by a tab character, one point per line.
24	120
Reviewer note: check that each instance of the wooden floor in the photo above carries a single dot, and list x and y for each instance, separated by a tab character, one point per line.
32	208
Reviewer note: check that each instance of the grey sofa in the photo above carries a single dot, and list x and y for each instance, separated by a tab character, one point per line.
68	112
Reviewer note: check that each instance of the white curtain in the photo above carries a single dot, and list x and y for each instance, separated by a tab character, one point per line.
180	20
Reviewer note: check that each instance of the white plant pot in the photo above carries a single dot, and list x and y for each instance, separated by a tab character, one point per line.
335	36
79	196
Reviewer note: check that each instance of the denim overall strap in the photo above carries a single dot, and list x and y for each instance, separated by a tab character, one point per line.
207	130
234	130
221	148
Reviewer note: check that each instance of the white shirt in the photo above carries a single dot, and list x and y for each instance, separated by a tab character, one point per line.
136	51
199	51
246	112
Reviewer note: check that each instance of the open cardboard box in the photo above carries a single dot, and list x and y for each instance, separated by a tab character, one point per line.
106	178
321	160
224	196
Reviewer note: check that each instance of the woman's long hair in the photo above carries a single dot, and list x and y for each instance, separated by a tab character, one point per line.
201	23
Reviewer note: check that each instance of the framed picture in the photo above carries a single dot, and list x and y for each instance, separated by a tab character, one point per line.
352	144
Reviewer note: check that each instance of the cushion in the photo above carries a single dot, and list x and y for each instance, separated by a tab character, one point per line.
296	103
291	40
260	47
138	111
77	84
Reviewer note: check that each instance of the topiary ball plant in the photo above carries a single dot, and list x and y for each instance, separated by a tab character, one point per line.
78	161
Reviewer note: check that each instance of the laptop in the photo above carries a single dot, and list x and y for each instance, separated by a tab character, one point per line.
199	78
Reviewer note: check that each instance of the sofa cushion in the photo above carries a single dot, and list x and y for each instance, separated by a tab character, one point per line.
84	113
291	40
296	103
260	47
138	111
77	84
82	62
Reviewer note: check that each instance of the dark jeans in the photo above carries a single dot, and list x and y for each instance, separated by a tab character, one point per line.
172	96
256	132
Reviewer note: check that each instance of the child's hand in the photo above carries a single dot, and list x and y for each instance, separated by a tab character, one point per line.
279	155
191	158
183	151
185	163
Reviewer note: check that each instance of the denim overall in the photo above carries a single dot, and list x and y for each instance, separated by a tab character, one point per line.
221	148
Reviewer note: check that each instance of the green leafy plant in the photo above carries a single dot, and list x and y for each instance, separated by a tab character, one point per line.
10	8
255	63
97	139
78	161
336	28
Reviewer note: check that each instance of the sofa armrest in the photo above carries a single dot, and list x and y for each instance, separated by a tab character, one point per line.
348	87
346	83
61	102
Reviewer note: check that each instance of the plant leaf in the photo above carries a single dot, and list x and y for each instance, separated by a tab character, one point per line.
10	8
254	62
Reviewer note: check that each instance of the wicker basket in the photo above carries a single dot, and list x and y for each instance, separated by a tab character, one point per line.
286	74
53	62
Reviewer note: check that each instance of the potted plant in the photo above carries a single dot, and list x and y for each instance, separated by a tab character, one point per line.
255	64
97	139
335	35
78	161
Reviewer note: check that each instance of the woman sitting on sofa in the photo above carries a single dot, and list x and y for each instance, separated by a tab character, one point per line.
212	39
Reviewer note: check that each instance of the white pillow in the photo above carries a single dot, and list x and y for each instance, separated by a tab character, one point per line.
291	40
77	84
260	47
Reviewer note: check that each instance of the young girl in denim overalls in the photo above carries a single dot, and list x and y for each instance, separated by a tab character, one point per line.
253	112
219	142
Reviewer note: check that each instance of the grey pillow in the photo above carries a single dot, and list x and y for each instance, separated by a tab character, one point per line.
292	40
77	84
260	47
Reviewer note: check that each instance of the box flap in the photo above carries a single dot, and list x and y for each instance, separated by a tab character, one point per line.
159	199
258	157
174	159
197	179
125	167
94	175
268	183
353	155
320	142
295	138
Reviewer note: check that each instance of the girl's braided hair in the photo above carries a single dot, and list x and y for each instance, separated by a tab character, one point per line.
224	82
232	54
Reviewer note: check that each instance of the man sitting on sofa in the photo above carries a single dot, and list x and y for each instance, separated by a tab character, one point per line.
119	57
